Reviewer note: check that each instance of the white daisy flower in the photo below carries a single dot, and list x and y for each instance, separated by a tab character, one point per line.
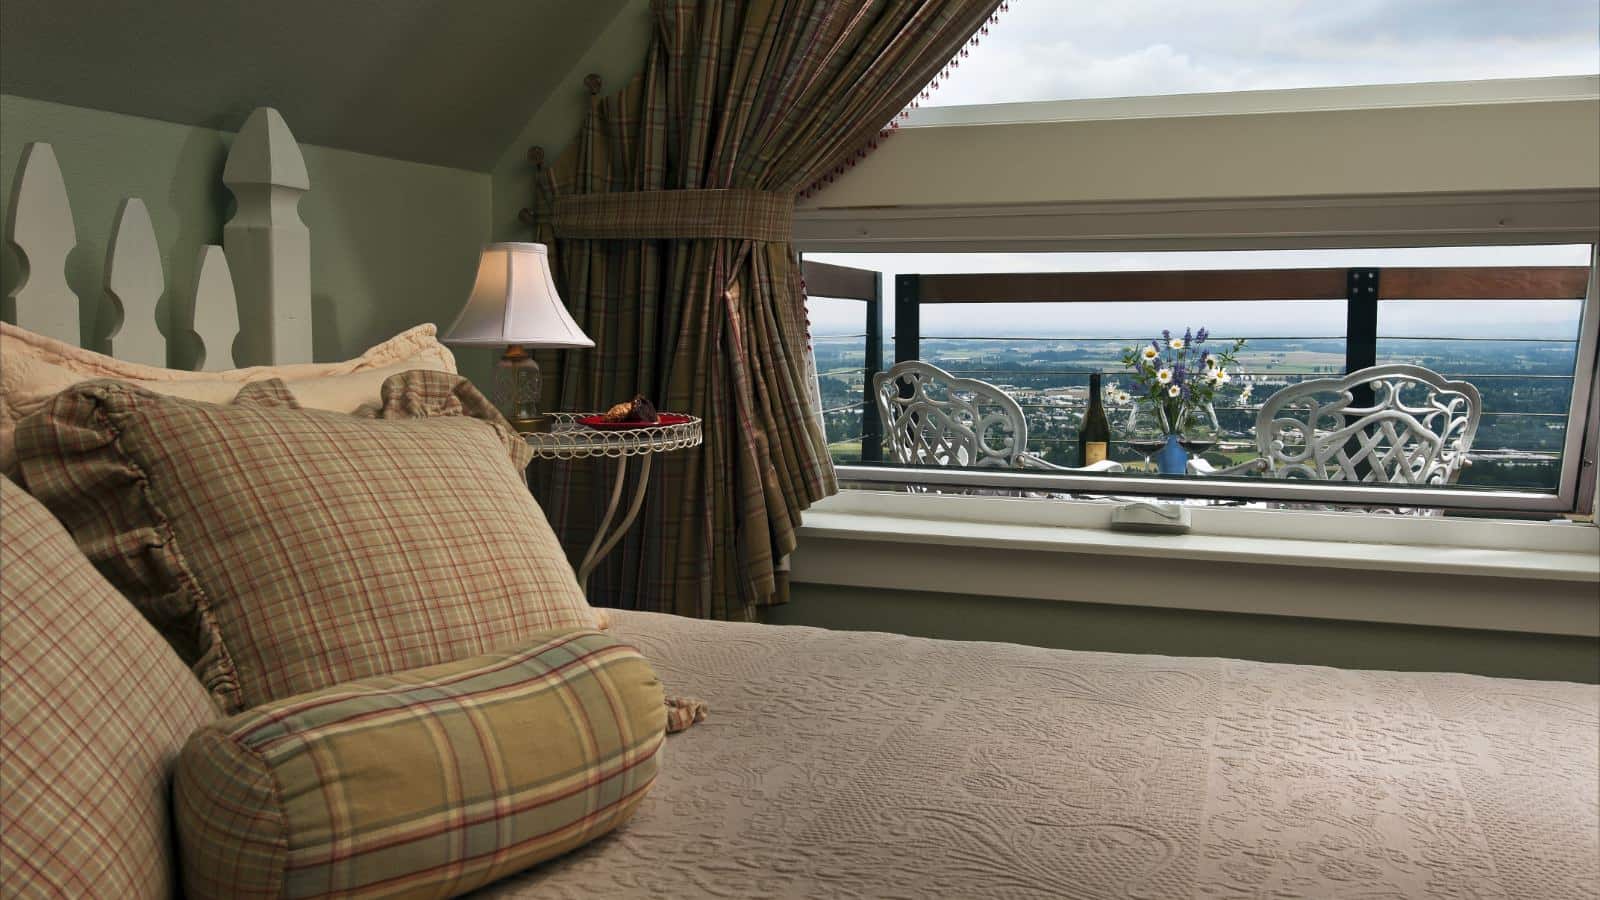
1150	353
1175	343
1223	377
1164	375
1124	397
1174	391
1211	362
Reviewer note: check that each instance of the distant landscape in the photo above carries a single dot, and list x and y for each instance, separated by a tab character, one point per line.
1526	386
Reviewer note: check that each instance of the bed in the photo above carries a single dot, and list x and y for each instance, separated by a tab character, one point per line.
870	765
847	764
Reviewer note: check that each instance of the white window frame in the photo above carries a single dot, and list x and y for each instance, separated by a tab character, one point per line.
1579	449
1497	218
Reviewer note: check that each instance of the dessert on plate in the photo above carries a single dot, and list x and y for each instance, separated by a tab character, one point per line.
636	410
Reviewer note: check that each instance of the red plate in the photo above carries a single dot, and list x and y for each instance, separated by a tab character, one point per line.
598	421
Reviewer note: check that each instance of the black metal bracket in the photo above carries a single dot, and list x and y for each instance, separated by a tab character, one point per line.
1361	292
907	318
1361	319
871	422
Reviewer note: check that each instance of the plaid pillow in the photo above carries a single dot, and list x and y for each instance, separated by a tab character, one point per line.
93	710
283	550
429	783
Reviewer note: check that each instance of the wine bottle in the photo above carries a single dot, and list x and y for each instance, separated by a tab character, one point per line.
1094	436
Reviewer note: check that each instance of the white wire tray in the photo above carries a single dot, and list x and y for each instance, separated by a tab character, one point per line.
568	440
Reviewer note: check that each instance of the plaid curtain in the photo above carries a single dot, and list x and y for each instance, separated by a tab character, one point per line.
693	298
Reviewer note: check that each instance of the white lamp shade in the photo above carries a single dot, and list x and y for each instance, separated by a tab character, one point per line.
514	301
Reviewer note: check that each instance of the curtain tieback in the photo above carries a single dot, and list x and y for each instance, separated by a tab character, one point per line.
713	213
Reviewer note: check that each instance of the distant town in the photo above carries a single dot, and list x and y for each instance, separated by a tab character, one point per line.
1526	387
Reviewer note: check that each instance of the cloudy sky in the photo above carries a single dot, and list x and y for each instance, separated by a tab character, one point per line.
1066	49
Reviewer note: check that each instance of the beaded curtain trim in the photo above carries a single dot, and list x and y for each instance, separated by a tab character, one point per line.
888	130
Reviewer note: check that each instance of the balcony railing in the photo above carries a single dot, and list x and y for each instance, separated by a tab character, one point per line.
1565	443
845	283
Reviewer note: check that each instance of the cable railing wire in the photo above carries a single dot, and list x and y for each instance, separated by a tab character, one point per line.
1137	341
1257	374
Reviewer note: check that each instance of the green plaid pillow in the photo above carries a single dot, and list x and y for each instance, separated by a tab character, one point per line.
429	783
93	710
282	550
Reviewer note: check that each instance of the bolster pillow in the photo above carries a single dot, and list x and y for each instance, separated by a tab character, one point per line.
432	782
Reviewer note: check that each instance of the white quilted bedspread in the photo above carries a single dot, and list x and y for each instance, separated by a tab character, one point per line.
839	764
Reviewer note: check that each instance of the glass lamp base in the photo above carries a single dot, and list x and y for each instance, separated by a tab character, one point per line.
516	390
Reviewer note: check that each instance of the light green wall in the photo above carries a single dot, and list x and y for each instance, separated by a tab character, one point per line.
1173	632
393	243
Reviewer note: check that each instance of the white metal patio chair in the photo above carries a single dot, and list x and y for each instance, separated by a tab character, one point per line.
1417	429
933	418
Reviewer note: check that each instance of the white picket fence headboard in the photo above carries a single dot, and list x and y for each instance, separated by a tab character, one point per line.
252	295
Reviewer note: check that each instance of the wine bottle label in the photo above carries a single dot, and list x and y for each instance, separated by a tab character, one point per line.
1093	452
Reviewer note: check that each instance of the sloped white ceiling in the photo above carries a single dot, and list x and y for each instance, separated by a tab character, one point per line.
449	82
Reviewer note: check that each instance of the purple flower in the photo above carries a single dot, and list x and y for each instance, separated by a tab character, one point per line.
1166	335
1179	374
1201	335
1188	336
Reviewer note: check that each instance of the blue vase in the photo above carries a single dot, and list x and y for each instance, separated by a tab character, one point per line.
1172	459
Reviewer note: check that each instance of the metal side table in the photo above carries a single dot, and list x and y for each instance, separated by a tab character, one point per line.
569	440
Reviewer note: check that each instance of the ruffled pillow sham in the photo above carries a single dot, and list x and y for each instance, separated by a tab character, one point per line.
282	550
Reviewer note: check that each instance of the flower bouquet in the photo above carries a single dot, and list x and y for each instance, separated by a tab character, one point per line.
1177	379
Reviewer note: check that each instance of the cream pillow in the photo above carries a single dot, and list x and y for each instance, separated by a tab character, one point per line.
34	368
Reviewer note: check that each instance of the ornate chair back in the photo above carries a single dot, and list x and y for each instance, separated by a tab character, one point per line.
1397	424
933	418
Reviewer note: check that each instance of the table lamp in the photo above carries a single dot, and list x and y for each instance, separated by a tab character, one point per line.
514	305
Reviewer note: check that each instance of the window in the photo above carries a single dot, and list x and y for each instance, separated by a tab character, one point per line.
1042	50
1510	321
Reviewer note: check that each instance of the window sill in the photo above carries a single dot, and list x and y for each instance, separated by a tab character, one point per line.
1424	571
1542	565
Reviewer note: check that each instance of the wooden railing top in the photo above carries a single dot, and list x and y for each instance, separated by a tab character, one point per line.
839	282
1497	283
1395	283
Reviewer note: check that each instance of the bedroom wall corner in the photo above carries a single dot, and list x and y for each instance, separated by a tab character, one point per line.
616	55
393	243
